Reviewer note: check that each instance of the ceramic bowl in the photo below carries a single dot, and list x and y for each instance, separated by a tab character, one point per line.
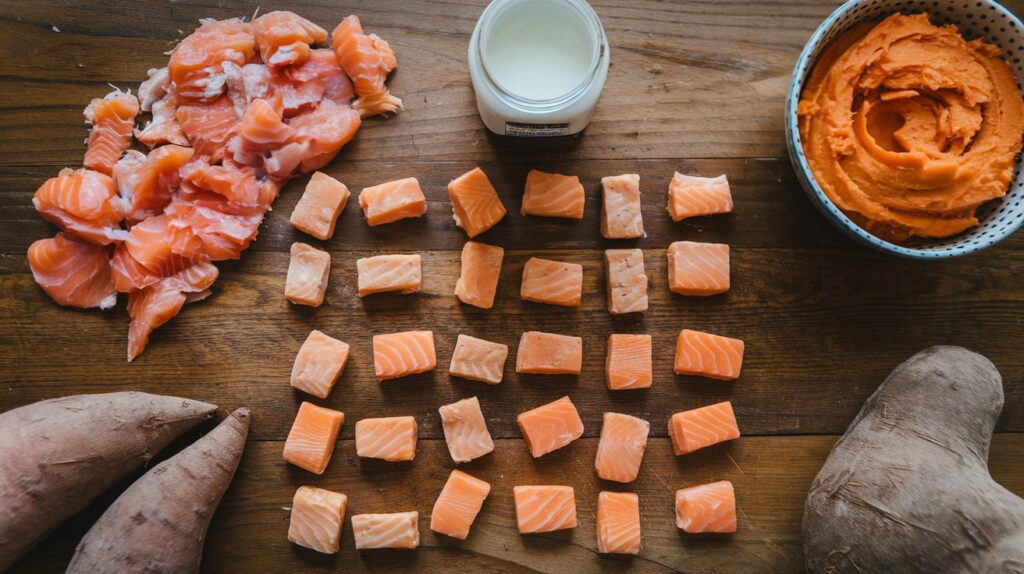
988	20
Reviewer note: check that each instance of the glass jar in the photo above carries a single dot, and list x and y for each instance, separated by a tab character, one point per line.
538	66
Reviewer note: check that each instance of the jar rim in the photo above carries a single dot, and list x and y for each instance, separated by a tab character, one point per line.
586	14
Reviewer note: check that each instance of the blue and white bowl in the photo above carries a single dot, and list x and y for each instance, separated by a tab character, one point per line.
986	19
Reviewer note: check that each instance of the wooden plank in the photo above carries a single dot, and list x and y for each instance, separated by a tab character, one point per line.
771	476
695	79
823	329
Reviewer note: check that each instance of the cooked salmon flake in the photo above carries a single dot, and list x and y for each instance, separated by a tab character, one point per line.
458	504
321	203
317	519
310	442
699	428
308	272
552	282
319	363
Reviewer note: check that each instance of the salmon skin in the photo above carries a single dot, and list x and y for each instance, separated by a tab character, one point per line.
707	508
238	110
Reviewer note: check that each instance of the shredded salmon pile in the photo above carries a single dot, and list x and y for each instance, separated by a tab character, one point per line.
240	108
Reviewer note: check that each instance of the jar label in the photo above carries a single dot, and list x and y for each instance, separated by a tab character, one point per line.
535	130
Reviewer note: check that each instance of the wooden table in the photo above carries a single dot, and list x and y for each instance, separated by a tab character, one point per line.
694	86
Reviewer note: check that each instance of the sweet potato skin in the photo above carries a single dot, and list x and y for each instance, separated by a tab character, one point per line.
159	524
907	488
57	456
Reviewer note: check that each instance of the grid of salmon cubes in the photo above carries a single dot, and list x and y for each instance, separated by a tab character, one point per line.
693	269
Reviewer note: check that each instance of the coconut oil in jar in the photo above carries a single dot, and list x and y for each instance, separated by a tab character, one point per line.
538	66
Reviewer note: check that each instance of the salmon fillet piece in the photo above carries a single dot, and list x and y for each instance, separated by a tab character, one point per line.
698	268
317	518
145	182
707	355
209	126
321	203
707	508
161	248
261	132
627	281
690	196
552	282
481	269
544	508
465	430
553	195
618	523
311	439
130	275
83	203
157	97
284	38
391	438
549	354
391	201
319	363
550	427
368	60
402	354
384	273
621	448
699	428
196	65
112	118
628	364
153	306
396	530
320	133
476	206
621	217
478	360
458	504
308	272
74	273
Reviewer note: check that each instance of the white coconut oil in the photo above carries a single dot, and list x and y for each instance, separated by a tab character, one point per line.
538	66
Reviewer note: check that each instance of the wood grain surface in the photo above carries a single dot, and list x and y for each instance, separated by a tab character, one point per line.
695	86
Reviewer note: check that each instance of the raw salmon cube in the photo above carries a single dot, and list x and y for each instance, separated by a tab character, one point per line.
544	508
478	360
481	268
317	519
310	443
308	272
553	195
699	428
465	430
550	427
382	273
318	209
620	207
698	268
475	205
627	280
621	448
707	355
397	530
392	201
458	504
391	438
628	364
401	354
549	354
618	523
319	364
690	196
706	508
552	282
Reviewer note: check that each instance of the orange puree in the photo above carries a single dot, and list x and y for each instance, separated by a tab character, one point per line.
909	128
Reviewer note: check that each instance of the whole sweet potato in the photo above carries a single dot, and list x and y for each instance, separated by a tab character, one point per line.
159	524
57	456
907	488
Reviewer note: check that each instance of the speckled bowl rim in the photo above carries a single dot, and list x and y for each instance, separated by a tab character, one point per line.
817	195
